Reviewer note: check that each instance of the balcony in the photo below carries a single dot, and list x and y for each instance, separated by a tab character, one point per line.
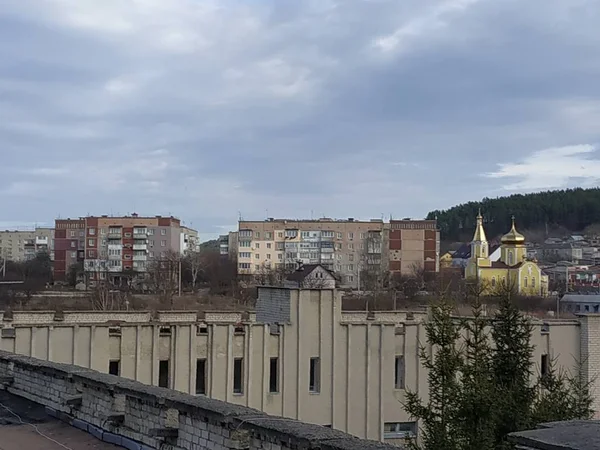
140	257
140	246
115	268
140	234
41	240
114	235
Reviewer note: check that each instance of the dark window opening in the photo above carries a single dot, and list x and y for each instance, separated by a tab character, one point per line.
274	375
163	374
238	376
239	329
202	329
314	378
165	331
544	365
114	367
399	372
201	376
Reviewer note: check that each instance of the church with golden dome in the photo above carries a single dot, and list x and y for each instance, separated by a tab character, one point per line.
512	269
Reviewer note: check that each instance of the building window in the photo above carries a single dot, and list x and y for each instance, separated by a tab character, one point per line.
238	376
72	234
73	244
339	235
399	372
163	373
114	367
351	279
510	258
268	245
201	377
163	232
532	282
350	235
257	245
350	267
525	282
268	256
274	375
399	430
73	254
91	242
544	365
351	257
314	376
280	234
92	231
256	255
163	243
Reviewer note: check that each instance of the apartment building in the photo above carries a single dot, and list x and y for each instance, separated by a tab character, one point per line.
298	356
346	247
189	242
23	245
112	245
414	245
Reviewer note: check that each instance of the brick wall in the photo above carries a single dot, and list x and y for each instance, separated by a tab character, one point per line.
590	356
273	305
141	417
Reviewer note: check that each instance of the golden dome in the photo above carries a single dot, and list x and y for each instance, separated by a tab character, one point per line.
513	236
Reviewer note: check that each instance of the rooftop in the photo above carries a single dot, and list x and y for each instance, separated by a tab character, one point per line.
571	435
26	425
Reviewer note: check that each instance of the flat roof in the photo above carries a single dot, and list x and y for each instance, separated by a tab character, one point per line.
25	425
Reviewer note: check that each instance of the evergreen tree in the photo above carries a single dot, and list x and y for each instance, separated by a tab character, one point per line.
561	396
439	416
571	209
477	402
512	372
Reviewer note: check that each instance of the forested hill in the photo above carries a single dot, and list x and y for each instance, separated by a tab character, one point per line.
573	209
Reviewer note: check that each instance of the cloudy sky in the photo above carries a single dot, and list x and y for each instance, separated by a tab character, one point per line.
207	109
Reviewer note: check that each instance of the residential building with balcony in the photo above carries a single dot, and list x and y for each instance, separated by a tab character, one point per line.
345	247
190	241
23	245
114	246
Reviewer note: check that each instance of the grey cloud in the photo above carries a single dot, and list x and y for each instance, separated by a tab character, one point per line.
286	106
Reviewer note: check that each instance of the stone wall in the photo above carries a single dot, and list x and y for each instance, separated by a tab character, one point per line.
142	417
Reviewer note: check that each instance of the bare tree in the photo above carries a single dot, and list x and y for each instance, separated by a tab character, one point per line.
196	263
269	275
163	276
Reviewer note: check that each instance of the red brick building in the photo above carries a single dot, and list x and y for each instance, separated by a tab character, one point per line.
113	244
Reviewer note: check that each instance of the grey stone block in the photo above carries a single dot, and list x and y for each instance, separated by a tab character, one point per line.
95	431
81	424
112	438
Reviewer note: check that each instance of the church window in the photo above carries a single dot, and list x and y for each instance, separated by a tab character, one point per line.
493	281
525	282
510	258
532	282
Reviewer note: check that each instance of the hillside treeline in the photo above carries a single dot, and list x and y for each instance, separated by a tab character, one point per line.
573	209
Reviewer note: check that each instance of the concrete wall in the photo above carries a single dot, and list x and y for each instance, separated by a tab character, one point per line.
357	355
140	417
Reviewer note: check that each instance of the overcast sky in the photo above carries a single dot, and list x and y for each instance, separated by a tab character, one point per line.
206	109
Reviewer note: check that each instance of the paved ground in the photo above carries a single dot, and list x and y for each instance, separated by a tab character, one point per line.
15	435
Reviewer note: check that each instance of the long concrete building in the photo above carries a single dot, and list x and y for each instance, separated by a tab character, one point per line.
298	355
